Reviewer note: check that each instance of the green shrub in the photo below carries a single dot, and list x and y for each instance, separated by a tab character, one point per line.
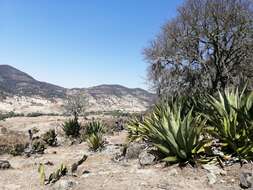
17	149
173	132
38	146
231	122
72	128
10	114
50	137
95	141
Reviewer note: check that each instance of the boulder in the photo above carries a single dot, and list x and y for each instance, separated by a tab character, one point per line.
173	172
146	158
212	178
4	164
64	184
213	171
134	149
246	179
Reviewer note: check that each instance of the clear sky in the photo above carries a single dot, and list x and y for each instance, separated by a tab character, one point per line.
81	43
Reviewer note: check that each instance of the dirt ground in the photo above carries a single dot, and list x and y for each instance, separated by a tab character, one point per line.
99	171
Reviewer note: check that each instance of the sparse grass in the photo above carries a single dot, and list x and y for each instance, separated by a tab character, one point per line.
13	143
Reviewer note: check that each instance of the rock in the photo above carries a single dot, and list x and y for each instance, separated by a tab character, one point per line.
146	158
4	164
49	163
86	173
134	149
64	184
214	169
246	179
173	172
212	178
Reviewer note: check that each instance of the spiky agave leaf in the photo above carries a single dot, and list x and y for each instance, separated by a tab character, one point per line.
230	122
176	135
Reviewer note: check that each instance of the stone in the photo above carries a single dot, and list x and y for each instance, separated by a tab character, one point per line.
134	149
212	178
86	173
246	179
146	158
173	172
64	184
214	169
4	164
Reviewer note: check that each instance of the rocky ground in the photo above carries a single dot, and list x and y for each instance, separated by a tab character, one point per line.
101	171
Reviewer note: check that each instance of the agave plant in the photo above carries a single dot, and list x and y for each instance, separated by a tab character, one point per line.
174	134
95	141
94	127
231	121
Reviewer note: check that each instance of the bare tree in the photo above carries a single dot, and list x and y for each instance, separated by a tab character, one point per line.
208	46
76	104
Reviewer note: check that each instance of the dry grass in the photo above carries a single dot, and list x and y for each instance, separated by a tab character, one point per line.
12	142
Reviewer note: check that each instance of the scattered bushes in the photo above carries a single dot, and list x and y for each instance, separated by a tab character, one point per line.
34	114
10	114
72	128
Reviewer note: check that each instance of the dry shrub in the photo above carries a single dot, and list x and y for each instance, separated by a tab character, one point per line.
3	130
13	143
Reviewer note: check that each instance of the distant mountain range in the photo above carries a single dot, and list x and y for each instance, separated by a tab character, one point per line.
24	93
15	82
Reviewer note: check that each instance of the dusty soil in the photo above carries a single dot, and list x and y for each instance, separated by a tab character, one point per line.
104	173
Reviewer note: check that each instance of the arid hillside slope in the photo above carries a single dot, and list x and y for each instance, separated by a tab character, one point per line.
22	93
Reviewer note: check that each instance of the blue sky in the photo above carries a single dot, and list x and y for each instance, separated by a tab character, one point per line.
81	43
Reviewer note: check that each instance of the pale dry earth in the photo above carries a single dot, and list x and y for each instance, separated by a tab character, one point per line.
104	173
103	103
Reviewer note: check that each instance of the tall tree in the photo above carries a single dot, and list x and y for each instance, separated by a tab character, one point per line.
208	46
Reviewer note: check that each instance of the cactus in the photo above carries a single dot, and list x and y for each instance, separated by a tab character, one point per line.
42	174
55	176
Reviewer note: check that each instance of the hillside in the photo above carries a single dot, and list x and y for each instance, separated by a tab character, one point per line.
23	93
15	82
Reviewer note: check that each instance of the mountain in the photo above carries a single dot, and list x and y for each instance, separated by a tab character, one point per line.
23	93
15	82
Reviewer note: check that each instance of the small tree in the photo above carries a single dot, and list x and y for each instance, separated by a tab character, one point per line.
76	104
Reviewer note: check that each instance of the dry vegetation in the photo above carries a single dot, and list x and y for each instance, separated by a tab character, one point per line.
12	142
